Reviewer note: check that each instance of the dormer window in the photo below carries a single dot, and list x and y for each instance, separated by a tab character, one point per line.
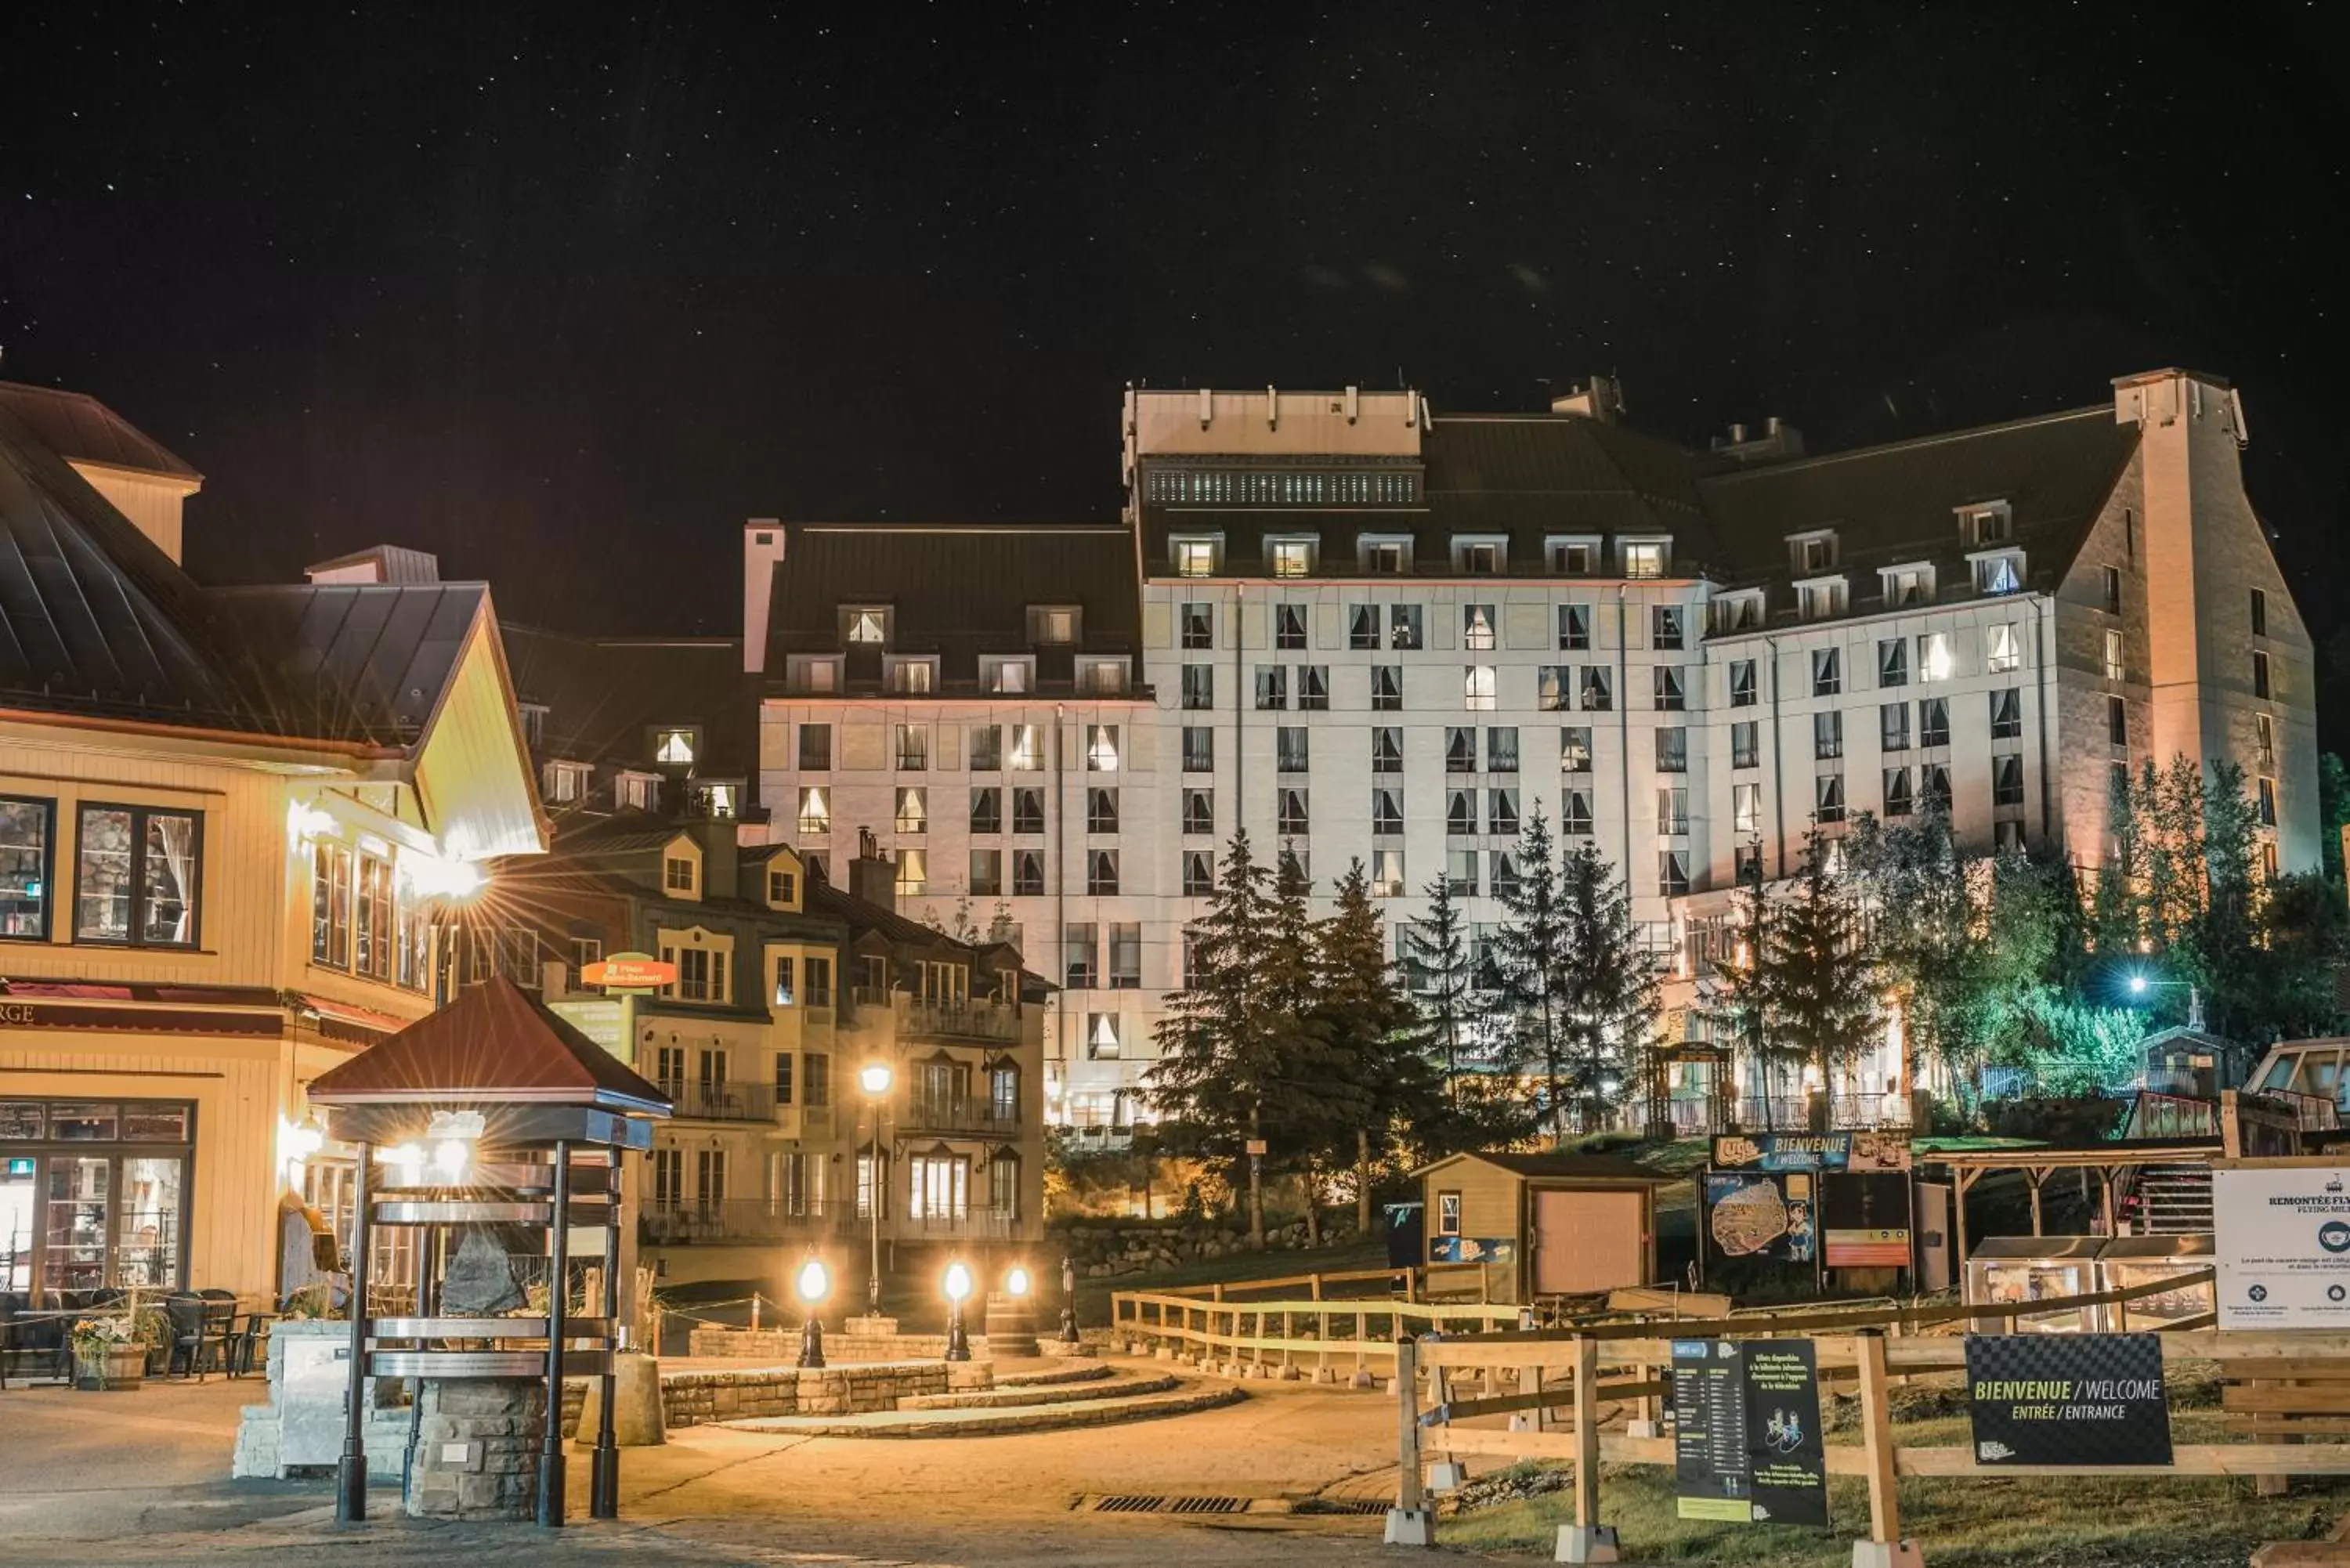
634	791
1052	625
675	748
1738	612
1194	557
813	675
1386	558
1572	557
1911	584
1820	599
2001	572
1103	677
783	887
1645	559
720	800
1007	677
1290	557
1811	554
567	782
1480	557
677	874
867	626
913	677
1986	525
534	722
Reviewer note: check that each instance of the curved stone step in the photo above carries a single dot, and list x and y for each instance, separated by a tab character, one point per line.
1004	1398
1084	1372
993	1423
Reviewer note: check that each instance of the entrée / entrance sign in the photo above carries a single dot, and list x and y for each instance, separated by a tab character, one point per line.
1747	1439
2068	1400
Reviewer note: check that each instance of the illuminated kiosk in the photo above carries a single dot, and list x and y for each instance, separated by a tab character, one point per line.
488	1131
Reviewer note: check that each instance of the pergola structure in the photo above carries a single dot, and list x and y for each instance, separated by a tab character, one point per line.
470	1124
2108	1160
1662	1060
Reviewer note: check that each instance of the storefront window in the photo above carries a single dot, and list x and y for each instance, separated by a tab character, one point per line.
93	1195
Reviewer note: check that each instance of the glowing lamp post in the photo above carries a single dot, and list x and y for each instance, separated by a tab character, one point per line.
813	1283
958	1286
874	1079
1068	1299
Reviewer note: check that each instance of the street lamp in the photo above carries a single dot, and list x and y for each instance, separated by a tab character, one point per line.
958	1285
813	1282
874	1079
1068	1299
2139	984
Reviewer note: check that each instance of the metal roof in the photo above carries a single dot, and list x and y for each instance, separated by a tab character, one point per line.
95	619
604	697
81	428
955	590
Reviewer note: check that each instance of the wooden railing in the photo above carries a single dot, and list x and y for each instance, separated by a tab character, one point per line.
1289	1334
1533	1375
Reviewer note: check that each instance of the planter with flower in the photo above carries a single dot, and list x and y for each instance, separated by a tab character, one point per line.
107	1353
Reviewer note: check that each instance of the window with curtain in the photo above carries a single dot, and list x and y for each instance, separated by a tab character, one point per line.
136	876
25	841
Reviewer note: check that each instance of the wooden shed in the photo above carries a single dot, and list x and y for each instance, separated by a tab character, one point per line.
1536	1225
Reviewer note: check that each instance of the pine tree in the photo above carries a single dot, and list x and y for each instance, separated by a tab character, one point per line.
1436	952
1609	984
1229	1043
1816	970
1367	1020
1530	949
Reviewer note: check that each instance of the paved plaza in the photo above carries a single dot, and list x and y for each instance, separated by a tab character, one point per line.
142	1478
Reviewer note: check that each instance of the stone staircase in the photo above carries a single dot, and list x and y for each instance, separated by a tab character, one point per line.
1089	1396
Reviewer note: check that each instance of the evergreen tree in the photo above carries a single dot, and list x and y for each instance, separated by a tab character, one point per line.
1608	985
1239	1048
1367	1030
1743	1004
1816	970
1436	955
1530	949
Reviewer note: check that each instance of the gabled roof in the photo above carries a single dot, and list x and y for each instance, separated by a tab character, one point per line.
81	428
1585	1167
492	1043
955	590
96	620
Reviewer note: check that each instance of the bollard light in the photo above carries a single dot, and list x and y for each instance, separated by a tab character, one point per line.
813	1283
958	1286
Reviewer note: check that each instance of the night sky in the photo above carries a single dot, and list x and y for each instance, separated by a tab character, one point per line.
566	300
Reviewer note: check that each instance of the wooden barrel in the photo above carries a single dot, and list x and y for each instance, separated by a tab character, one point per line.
1011	1325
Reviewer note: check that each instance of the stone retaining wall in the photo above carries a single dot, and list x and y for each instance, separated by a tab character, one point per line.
782	1345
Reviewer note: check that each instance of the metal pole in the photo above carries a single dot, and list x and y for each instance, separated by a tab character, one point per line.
604	1476
558	1300
873	1279
1069	1301
351	1479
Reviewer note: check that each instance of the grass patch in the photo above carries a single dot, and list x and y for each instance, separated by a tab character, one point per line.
2159	1521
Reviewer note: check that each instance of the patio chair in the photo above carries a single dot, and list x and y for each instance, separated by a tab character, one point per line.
33	1341
198	1328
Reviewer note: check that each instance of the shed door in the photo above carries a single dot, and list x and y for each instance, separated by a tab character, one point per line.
1587	1241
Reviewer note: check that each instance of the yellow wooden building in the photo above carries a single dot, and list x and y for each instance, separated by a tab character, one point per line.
231	823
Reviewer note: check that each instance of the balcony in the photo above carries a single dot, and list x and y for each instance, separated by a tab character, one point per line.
721	1101
733	1219
969	1224
958	1113
996	1022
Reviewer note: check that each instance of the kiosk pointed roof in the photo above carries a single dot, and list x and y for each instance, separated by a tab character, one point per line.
493	1043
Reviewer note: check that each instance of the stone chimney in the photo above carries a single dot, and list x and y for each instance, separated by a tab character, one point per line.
377	564
1776	442
872	876
1603	399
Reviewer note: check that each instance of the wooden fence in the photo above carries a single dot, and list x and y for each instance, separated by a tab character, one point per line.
2286	1386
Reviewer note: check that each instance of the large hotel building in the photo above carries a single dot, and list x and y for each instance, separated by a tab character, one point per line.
1364	629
